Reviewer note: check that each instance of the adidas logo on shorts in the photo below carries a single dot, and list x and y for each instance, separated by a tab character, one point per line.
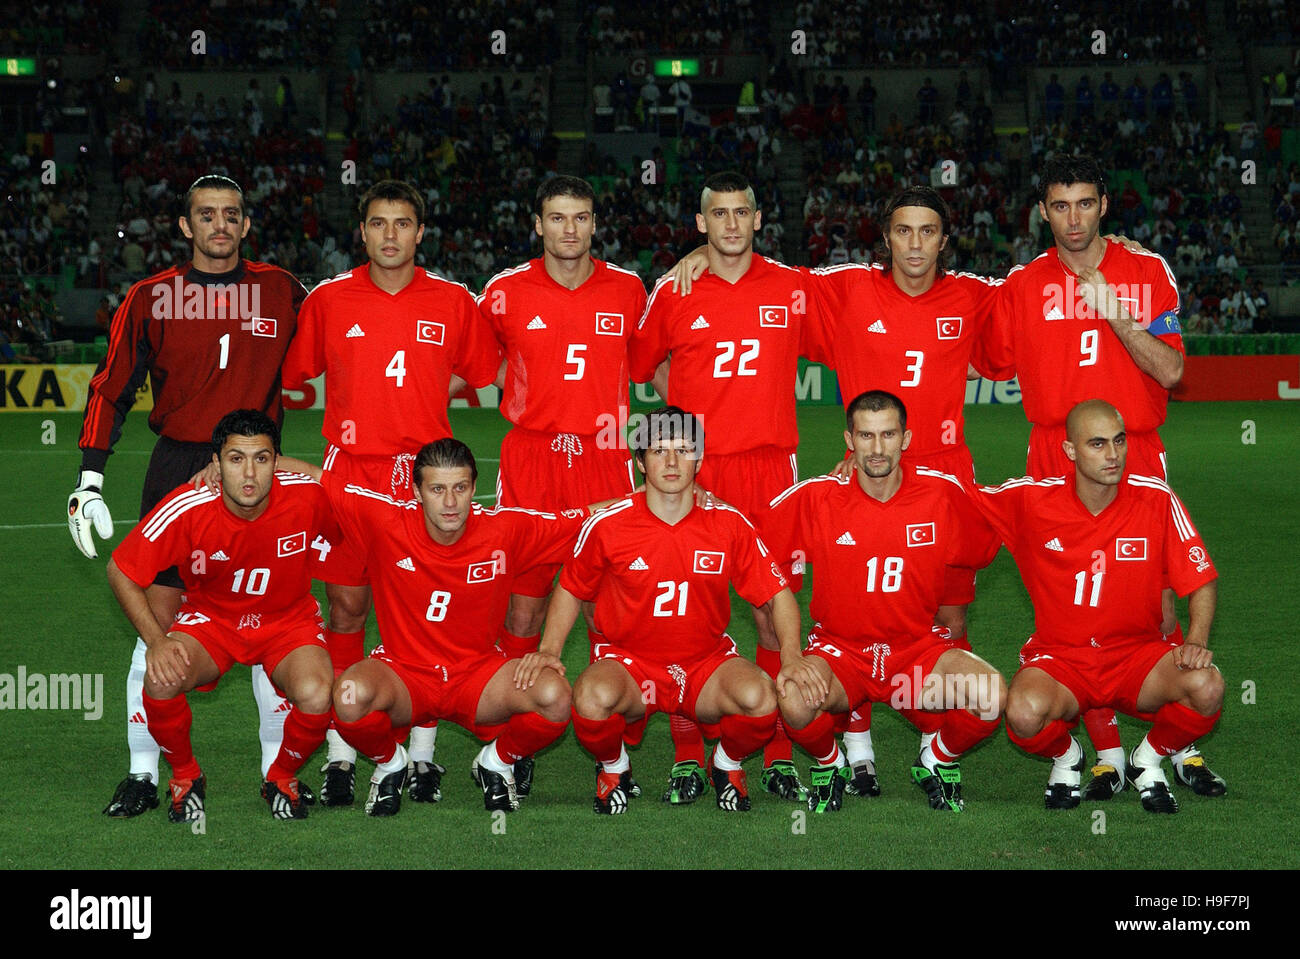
876	327
700	323
355	331
638	563
846	539
536	324
406	564
1054	544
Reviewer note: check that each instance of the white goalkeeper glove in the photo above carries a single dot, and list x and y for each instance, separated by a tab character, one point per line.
86	508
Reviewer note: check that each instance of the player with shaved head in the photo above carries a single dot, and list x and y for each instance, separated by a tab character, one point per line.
1095	549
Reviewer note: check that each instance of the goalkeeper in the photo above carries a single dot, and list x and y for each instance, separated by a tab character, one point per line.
211	335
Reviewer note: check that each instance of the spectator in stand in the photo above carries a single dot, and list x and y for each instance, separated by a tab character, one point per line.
1053	100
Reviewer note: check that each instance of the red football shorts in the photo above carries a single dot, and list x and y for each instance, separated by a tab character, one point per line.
345	565
749	481
555	471
873	674
450	692
1146	454
254	639
1110	677
669	687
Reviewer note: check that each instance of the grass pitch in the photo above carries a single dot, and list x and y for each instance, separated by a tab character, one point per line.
1235	466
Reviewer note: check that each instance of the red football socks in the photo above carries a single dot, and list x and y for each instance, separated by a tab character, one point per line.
1102	728
169	724
603	738
372	735
688	744
303	734
1051	741
818	737
525	734
1175	727
516	647
742	735
345	649
961	731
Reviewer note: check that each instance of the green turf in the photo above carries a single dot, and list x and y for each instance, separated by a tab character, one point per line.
60	769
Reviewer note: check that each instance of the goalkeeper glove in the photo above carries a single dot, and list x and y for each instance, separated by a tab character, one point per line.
86	508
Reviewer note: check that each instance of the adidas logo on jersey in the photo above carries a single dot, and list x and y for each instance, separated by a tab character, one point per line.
355	331
846	539
638	563
700	323
1054	314
219	556
406	564
536	324
1054	545
876	327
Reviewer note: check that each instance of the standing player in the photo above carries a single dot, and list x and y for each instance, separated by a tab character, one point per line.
908	325
1095	549
389	338
563	322
210	335
441	567
734	345
247	599
658	568
884	541
1090	318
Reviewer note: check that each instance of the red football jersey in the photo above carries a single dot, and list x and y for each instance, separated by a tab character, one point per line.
661	590
233	567
735	353
440	604
880	566
876	336
1046	334
1095	579
208	343
566	350
388	358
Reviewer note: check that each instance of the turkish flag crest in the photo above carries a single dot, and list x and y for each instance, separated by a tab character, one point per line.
920	534
948	327
1130	547
427	331
709	561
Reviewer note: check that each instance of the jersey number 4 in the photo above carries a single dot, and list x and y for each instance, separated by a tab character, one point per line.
396	367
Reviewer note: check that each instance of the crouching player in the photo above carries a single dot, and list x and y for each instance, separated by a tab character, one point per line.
441	567
658	568
884	541
246	556
1094	549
